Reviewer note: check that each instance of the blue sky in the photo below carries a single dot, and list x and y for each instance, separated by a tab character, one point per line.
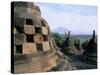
79	19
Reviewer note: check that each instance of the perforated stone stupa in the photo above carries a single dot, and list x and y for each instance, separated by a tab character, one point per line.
91	49
69	46
34	47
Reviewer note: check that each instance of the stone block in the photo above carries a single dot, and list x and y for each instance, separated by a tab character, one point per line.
44	30
35	67
51	44
52	62
21	68
29	48
46	46
19	38
45	65
29	29
38	38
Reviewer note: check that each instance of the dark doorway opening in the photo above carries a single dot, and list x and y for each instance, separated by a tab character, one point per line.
39	47
29	22
18	49
38	30
45	38
29	38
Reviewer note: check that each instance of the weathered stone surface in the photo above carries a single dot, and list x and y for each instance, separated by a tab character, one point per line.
44	31
44	23
40	51
19	38
51	44
24	4
21	13
29	29
46	46
38	38
21	68
29	48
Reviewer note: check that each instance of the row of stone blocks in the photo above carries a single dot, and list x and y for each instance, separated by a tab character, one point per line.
30	47
20	38
39	65
31	29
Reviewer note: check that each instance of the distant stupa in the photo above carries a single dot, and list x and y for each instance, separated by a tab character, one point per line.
69	46
91	49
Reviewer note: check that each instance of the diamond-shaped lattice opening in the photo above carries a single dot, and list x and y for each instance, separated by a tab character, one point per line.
39	47
18	49
29	38
45	38
29	22
38	30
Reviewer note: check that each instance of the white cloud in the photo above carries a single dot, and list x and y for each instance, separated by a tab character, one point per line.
72	21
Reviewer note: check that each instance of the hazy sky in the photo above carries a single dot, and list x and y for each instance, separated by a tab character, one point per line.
80	19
